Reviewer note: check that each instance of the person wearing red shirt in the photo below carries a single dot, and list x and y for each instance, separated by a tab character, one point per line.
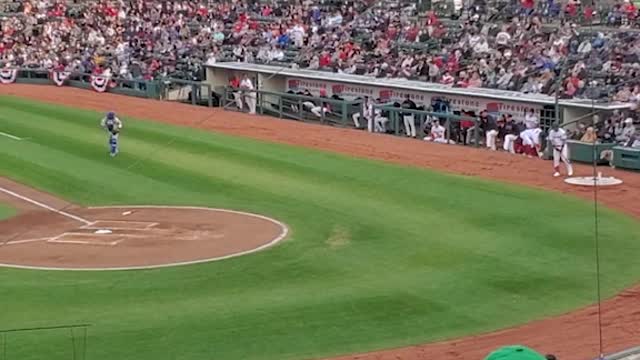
109	11
527	6
588	13
234	83
412	33
325	60
571	9
432	18
631	10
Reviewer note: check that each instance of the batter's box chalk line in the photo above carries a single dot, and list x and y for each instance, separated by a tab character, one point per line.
25	241
60	239
119	225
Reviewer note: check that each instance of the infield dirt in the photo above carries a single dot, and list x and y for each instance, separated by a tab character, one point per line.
572	336
136	237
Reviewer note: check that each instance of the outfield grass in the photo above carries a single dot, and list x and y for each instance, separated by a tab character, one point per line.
6	211
379	256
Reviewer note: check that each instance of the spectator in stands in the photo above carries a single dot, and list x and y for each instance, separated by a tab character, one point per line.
504	49
589	136
628	132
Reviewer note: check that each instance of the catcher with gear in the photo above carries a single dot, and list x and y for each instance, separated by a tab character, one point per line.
113	125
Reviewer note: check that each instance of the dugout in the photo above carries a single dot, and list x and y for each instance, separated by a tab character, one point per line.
268	78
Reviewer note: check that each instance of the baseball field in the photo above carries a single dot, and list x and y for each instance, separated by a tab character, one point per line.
362	254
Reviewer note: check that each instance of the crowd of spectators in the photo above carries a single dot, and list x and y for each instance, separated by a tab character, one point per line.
617	128
532	46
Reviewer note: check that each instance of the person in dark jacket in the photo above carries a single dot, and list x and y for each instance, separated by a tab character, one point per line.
509	134
409	118
490	128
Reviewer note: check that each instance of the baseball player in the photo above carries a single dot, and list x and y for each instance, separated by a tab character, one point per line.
558	140
366	112
531	136
113	125
437	134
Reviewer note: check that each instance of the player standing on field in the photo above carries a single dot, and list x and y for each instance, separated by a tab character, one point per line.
113	125
409	118
531	136
558	140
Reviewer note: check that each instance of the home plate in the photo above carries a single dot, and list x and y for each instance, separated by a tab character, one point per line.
103	231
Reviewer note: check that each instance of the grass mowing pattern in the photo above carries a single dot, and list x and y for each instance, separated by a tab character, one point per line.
379	256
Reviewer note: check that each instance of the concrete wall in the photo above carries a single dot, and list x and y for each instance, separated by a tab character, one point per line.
275	83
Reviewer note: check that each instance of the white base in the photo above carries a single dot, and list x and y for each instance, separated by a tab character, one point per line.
593	181
103	231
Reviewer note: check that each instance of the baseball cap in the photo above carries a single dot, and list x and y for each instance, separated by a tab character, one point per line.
628	121
515	352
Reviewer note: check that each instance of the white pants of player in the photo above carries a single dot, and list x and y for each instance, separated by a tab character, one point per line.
238	100
318	111
531	137
409	125
250	100
380	123
356	121
562	155
491	136
438	140
509	141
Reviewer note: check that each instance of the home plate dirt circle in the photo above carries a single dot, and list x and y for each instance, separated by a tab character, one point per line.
132	237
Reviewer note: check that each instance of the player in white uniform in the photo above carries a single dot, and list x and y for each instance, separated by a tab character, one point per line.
437	134
379	121
366	112
531	136
246	85
558	140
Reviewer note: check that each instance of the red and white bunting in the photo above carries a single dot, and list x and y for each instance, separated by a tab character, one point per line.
100	83
8	76
59	77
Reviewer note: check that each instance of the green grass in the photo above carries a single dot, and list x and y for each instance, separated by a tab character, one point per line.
6	211
379	256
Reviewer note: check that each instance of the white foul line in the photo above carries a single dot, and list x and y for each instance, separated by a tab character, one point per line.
10	136
45	206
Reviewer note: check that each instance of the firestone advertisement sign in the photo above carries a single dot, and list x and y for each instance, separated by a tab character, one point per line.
457	103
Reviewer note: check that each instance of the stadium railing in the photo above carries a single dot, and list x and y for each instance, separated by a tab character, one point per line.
129	87
295	107
425	119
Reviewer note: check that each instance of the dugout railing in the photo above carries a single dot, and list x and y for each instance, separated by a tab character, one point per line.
424	119
290	106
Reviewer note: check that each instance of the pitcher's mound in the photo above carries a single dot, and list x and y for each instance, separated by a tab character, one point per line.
140	237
